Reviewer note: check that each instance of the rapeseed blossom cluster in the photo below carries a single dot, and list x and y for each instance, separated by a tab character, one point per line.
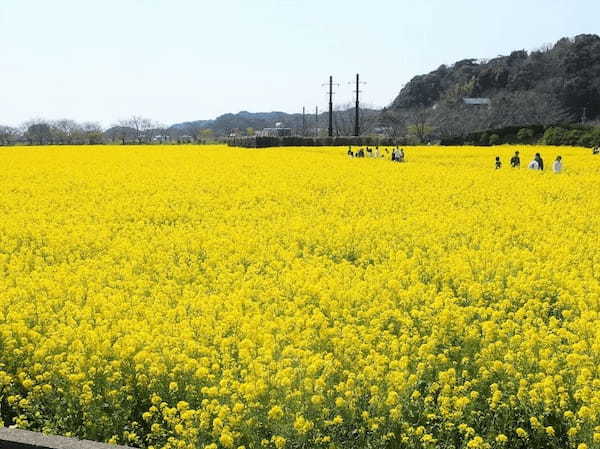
211	297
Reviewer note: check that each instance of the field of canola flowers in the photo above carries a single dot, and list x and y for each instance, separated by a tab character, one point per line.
208	297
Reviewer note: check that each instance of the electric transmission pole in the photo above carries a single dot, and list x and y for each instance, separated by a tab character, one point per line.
357	107
316	121
331	105
303	121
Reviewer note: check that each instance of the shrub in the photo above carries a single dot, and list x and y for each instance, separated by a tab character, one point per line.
494	139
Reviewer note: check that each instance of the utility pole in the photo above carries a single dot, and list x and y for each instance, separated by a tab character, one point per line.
331	105
357	107
316	121
303	121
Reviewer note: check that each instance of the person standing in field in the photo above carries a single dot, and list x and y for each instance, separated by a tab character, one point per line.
540	161
498	163
515	161
557	167
350	153
534	165
401	155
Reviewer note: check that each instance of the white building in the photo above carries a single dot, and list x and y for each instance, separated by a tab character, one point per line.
477	101
274	132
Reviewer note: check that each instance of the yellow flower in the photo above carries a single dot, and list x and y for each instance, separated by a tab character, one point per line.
302	425
501	438
279	442
316	399
275	413
521	432
226	440
201	284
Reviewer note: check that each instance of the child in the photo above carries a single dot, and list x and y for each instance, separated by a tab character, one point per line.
498	163
534	165
515	161
557	166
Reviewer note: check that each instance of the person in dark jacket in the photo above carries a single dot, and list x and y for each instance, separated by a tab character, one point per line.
498	163
540	161
515	161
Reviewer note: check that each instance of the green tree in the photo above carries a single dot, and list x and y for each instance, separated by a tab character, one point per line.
494	139
525	135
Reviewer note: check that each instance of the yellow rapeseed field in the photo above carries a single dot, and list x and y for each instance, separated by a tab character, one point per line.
209	297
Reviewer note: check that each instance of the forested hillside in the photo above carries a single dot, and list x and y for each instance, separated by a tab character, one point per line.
559	83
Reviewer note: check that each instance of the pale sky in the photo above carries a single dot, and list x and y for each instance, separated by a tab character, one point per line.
183	60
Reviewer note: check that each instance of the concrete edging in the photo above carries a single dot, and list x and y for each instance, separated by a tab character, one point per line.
24	439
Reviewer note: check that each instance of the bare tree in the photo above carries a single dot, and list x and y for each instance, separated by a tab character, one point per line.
534	108
451	120
159	133
393	123
91	133
65	131
344	117
8	135
140	126
421	123
343	124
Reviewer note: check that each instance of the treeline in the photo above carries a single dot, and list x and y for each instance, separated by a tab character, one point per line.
58	132
135	130
570	135
299	141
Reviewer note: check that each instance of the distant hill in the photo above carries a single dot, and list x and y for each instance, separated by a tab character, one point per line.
240	122
560	82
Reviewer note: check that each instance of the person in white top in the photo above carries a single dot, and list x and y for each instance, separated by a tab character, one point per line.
557	167
534	165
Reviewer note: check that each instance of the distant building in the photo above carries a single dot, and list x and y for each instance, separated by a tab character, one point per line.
185	138
274	132
477	101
